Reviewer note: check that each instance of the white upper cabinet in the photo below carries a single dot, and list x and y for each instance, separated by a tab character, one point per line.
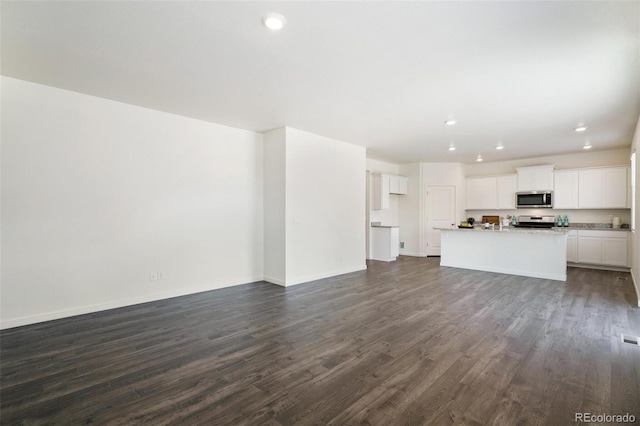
535	178
590	189
383	185
615	187
603	188
565	191
492	192
507	186
398	184
393	184
403	185
482	193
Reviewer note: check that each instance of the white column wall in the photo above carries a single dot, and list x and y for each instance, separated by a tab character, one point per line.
274	206
635	236
411	211
325	207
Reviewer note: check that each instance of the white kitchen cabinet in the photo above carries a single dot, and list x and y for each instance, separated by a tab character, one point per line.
590	189
385	243
482	193
603	188
507	187
615	181
393	184
535	178
572	246
380	190
398	184
565	189
403	185
603	247
615	251
383	185
590	250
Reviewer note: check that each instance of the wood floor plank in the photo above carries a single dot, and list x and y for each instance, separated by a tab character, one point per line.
406	342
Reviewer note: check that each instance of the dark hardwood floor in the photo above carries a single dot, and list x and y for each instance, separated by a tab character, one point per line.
407	342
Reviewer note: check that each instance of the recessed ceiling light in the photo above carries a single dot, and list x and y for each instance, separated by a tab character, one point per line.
274	21
586	146
450	122
479	158
581	128
500	146
452	148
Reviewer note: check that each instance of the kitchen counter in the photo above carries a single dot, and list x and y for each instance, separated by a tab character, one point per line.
551	231
385	226
540	253
597	227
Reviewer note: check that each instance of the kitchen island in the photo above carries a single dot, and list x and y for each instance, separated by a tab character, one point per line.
540	253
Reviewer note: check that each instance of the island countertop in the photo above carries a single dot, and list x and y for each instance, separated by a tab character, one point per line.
510	229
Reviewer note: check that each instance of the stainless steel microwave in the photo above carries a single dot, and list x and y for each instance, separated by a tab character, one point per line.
534	200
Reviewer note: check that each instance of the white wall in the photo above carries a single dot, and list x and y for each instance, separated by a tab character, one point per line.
98	194
325	207
274	206
410	210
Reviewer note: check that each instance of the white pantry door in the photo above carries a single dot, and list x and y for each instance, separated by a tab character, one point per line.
441	213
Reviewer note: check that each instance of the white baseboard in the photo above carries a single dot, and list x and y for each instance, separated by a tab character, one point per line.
87	309
412	254
307	278
556	277
276	281
601	267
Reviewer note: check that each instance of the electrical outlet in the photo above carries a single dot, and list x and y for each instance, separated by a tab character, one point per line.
401	244
159	276
153	276
610	217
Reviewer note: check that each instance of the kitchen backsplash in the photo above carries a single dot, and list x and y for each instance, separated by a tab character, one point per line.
578	216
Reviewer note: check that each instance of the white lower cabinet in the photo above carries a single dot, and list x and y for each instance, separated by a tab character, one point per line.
590	250
614	252
609	248
385	243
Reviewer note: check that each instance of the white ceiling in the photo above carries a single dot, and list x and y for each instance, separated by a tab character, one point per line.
384	75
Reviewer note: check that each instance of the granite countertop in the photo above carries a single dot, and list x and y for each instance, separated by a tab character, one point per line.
509	229
554	230
597	227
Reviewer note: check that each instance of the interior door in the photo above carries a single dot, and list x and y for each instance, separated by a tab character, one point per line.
441	213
